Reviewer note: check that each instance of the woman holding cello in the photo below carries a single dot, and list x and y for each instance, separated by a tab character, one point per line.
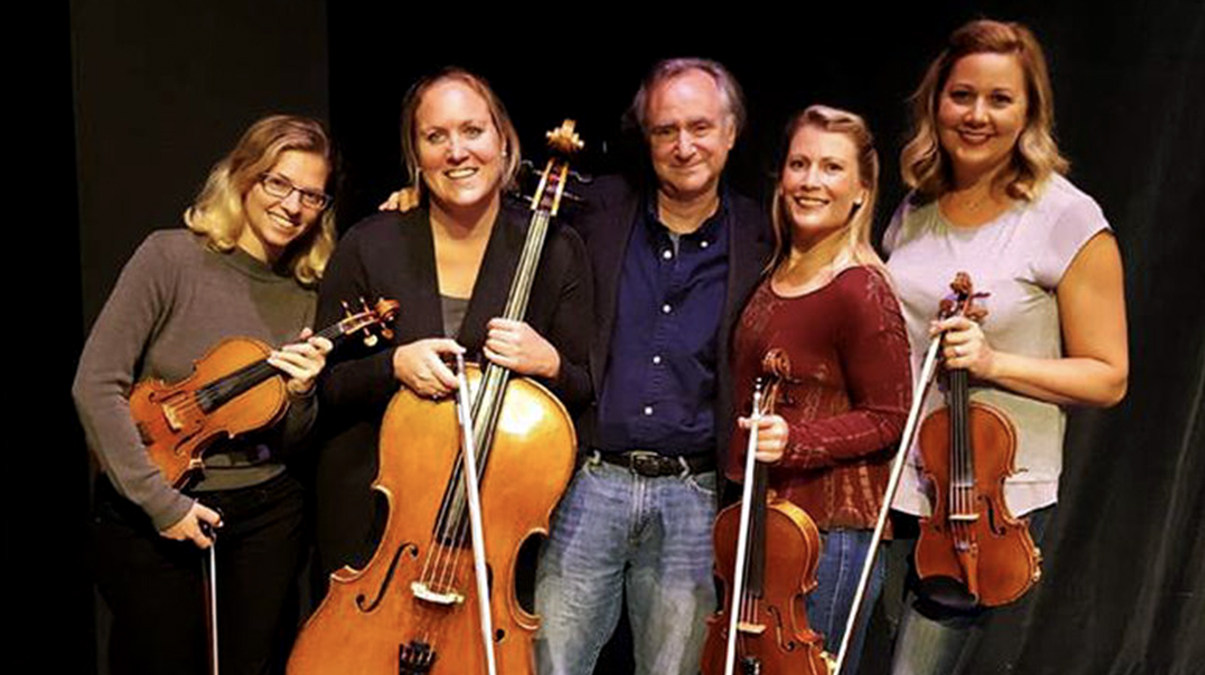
989	198
258	239
449	263
827	304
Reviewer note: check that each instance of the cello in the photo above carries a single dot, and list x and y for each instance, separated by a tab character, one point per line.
971	550
764	630
411	609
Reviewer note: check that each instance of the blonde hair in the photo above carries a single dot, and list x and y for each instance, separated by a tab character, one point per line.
924	163
498	114
218	213
857	248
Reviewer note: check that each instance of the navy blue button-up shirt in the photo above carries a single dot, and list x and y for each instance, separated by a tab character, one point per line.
660	386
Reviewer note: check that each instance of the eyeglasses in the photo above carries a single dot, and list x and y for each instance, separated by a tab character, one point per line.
281	187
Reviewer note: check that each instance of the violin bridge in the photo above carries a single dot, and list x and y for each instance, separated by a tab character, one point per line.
172	417
750	628
422	591
964	517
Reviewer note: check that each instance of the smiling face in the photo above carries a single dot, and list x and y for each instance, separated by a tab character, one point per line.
820	184
460	151
691	131
981	113
272	223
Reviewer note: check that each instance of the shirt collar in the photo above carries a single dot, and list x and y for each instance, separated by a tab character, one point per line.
708	231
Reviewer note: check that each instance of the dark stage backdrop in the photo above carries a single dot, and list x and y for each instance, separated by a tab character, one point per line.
1123	574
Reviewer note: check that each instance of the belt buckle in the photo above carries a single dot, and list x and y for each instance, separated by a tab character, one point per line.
644	463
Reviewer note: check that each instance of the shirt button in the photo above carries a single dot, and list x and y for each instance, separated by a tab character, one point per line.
703	244
657	360
648	410
666	309
667	254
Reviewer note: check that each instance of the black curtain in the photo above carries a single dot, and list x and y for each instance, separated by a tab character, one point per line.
1123	574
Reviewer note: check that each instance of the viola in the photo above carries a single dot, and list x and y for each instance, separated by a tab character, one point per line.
232	390
971	551
766	553
415	607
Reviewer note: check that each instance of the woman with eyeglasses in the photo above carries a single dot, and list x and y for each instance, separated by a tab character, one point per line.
257	241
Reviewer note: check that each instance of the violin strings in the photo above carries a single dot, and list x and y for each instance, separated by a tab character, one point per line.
238	381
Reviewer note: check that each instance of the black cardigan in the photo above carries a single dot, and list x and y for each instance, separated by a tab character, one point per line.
392	255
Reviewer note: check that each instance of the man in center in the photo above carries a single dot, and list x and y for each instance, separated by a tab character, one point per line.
673	264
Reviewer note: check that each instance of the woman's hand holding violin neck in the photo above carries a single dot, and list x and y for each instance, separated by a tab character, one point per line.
301	362
420	366
518	347
401	201
772	434
188	528
964	346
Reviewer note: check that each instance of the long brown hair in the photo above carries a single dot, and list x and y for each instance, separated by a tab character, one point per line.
924	163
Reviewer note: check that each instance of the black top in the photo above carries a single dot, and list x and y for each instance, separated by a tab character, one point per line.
392	255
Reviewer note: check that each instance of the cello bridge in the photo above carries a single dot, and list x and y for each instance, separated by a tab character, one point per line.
750	628
448	597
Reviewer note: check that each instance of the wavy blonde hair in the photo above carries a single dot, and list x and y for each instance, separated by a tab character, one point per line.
506	128
857	247
924	163
218	212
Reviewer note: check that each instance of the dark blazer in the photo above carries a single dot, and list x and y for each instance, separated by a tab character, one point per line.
392	255
605	224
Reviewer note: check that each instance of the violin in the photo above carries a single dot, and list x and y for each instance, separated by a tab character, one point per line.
767	551
232	390
420	605
971	551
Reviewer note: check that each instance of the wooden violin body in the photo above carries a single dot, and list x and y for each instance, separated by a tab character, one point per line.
991	556
177	422
370	617
774	633
232	390
971	551
767	551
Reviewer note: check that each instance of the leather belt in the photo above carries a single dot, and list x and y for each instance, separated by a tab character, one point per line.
654	465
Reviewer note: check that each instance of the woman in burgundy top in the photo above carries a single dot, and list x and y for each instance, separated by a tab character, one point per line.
827	303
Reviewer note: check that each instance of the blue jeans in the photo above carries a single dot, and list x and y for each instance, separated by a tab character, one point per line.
932	638
843	552
614	527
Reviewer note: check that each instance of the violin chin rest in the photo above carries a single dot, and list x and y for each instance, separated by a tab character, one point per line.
947	592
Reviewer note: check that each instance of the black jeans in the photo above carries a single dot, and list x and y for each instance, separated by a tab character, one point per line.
156	590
